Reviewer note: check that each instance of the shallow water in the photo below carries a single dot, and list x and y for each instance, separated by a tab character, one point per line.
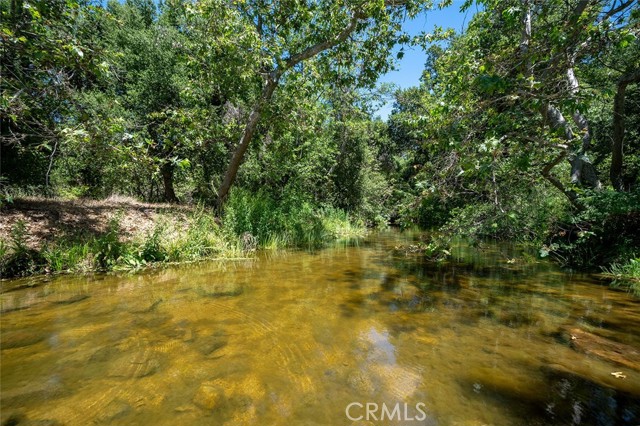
294	338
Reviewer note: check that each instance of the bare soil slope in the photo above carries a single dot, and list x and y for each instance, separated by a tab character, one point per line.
46	219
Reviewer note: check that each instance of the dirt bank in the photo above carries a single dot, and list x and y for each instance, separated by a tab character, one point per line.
46	219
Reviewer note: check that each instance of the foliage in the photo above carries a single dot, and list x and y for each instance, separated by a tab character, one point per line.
485	146
200	237
47	55
504	138
604	233
109	251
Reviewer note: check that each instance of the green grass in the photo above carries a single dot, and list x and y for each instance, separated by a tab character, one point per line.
339	225
625	275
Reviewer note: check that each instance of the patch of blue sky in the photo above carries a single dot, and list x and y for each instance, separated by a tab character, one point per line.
409	68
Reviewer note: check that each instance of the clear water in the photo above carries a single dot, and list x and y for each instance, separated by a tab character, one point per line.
294	338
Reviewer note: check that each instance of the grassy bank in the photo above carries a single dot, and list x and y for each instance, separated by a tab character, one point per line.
122	239
626	276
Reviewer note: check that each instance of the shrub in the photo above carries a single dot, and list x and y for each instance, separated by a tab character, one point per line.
604	232
17	259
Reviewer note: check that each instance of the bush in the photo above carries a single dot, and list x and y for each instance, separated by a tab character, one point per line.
427	212
523	215
604	232
16	258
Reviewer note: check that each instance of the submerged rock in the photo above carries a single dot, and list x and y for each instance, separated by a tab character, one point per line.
151	320
184	409
609	350
71	299
182	330
146	307
104	354
515	318
209	396
32	392
115	410
140	365
207	345
20	338
14	419
360	382
595	398
19	419
220	290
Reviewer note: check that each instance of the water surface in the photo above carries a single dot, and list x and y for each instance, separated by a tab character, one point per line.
293	338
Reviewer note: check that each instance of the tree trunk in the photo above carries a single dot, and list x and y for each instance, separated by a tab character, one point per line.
525	42
582	170
167	179
617	155
247	134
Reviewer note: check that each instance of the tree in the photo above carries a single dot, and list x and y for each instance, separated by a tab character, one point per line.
148	77
625	56
519	58
48	52
580	30
290	33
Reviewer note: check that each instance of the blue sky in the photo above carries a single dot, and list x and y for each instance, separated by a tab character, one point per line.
409	68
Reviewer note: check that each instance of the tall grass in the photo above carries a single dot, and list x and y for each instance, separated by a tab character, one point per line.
203	238
289	221
339	225
15	256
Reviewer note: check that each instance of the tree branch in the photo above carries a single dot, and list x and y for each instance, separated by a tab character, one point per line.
616	10
546	173
327	44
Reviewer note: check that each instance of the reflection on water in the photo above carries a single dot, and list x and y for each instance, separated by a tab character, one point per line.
294	338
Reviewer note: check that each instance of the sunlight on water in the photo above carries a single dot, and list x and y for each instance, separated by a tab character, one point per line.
295	337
